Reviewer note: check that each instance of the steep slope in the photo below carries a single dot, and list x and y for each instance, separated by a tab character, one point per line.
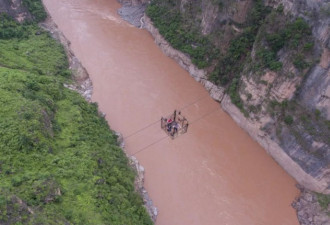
59	161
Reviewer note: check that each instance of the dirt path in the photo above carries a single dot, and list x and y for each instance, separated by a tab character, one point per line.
215	173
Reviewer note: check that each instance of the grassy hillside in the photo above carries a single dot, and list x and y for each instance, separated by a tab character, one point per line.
59	161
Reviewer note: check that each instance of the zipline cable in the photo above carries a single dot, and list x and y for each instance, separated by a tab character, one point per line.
144	148
153	123
163	138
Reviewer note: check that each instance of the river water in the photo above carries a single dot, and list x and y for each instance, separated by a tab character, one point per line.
215	174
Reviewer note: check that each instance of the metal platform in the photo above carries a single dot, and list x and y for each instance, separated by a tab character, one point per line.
175	124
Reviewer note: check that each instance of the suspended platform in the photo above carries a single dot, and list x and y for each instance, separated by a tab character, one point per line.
174	124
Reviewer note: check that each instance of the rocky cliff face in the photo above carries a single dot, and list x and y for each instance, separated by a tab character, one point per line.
271	75
306	140
315	93
133	2
15	9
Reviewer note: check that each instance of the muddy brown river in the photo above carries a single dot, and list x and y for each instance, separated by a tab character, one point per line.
215	174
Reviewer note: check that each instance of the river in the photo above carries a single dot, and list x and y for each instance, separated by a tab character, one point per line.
215	174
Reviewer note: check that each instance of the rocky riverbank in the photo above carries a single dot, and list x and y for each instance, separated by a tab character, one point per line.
132	13
309	211
139	181
83	84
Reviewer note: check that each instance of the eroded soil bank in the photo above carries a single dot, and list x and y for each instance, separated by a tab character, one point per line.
215	173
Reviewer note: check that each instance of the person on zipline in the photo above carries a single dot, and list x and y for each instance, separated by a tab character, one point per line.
175	126
169	125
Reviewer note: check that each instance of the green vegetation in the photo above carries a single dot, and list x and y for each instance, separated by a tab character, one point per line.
27	51
59	161
234	95
10	29
302	124
266	30
184	35
295	36
299	62
36	8
181	35
230	66
281	111
269	59
324	200
288	120
269	30
327	123
326	10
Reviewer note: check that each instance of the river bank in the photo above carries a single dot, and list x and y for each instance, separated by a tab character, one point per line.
83	84
309	211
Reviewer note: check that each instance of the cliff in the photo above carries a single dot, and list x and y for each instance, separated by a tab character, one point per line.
267	62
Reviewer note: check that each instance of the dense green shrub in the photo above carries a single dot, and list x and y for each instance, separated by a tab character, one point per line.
324	200
308	46
297	29
299	62
10	28
280	32
294	35
317	113
36	53
234	94
288	119
276	41
170	24
268	59
36	8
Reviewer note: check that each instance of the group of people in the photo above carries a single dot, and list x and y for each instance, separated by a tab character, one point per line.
172	127
174	123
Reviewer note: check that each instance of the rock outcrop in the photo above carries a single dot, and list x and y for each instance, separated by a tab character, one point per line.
83	84
309	211
15	9
315	93
132	12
